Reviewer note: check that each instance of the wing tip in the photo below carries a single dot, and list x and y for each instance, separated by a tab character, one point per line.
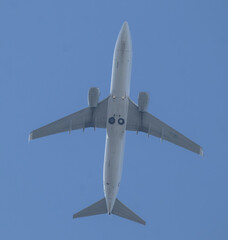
201	152
30	137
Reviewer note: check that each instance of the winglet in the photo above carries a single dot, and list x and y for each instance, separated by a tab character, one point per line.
201	151
30	137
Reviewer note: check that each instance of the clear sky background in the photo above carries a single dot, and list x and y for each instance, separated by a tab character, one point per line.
51	53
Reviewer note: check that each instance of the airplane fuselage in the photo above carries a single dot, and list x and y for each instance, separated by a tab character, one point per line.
117	116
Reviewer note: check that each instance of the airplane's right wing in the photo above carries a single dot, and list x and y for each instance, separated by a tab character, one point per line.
146	122
87	117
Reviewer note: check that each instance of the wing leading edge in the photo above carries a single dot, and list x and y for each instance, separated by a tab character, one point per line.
87	117
146	122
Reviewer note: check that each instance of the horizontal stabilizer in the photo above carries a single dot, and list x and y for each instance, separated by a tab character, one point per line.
121	210
95	209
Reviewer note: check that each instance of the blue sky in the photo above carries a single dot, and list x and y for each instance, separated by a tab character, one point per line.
51	53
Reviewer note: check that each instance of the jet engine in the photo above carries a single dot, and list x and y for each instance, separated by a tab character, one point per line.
143	101
93	97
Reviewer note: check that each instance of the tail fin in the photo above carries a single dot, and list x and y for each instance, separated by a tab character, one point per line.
121	210
95	209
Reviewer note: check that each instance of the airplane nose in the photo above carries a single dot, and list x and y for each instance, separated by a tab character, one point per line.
124	39
124	32
125	28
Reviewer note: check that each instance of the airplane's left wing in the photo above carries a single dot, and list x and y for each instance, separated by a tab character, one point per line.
87	117
146	122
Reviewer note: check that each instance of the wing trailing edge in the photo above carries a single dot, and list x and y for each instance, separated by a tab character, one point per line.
141	121
87	117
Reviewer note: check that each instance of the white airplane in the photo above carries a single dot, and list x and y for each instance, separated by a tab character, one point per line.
117	113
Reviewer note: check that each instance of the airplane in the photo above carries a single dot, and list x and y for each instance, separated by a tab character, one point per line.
118	114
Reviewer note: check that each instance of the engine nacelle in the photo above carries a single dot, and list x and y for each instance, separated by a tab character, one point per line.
93	97
143	101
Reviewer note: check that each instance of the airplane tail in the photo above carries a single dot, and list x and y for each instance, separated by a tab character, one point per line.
95	209
119	209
